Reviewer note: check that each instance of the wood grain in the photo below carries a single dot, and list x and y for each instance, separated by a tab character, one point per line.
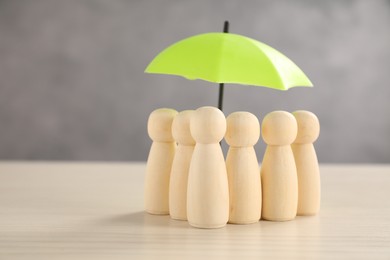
95	211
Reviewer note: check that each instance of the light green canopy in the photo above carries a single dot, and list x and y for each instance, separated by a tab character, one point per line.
229	58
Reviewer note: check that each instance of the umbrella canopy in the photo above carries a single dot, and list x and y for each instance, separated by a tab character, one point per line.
229	58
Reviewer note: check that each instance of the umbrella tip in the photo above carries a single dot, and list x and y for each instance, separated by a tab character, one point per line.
226	26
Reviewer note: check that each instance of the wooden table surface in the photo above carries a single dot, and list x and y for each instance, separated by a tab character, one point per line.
95	211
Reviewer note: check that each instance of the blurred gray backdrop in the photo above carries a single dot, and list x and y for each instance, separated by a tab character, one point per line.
72	85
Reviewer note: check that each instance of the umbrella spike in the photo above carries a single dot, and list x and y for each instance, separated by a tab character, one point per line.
226	27
221	85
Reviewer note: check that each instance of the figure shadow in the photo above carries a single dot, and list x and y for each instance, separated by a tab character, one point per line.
142	218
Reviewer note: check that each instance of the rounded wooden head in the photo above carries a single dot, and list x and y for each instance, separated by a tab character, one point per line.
181	128
208	125
160	124
308	127
279	128
243	129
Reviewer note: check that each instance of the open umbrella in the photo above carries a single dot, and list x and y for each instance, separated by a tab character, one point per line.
229	58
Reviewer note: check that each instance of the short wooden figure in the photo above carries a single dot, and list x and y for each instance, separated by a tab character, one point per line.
309	187
158	168
278	170
243	132
207	192
181	165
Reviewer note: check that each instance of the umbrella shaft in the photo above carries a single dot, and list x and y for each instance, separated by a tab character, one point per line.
221	86
220	97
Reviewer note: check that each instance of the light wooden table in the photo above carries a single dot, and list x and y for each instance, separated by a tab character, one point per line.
95	211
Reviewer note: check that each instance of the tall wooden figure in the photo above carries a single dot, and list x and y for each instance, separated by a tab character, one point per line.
243	132
158	168
309	187
278	170
207	193
181	165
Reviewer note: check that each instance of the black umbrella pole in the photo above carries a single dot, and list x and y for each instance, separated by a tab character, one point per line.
220	97
221	85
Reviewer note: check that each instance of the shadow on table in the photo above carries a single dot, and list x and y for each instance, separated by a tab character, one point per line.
142	218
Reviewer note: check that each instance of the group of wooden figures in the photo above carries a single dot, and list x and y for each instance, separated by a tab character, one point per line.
187	176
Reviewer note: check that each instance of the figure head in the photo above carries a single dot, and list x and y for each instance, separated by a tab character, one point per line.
308	127
208	125
279	128
181	128
243	129
160	124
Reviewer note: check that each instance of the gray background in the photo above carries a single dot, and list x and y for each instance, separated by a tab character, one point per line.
72	85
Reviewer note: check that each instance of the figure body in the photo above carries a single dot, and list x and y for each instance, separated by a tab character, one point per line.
243	132
207	193
181	165
278	170
309	187
158	168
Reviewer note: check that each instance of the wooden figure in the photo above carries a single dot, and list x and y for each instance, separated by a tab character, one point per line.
158	168
207	192
181	165
309	187
278	170
243	132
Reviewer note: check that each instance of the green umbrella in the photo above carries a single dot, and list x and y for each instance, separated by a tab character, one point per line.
229	58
